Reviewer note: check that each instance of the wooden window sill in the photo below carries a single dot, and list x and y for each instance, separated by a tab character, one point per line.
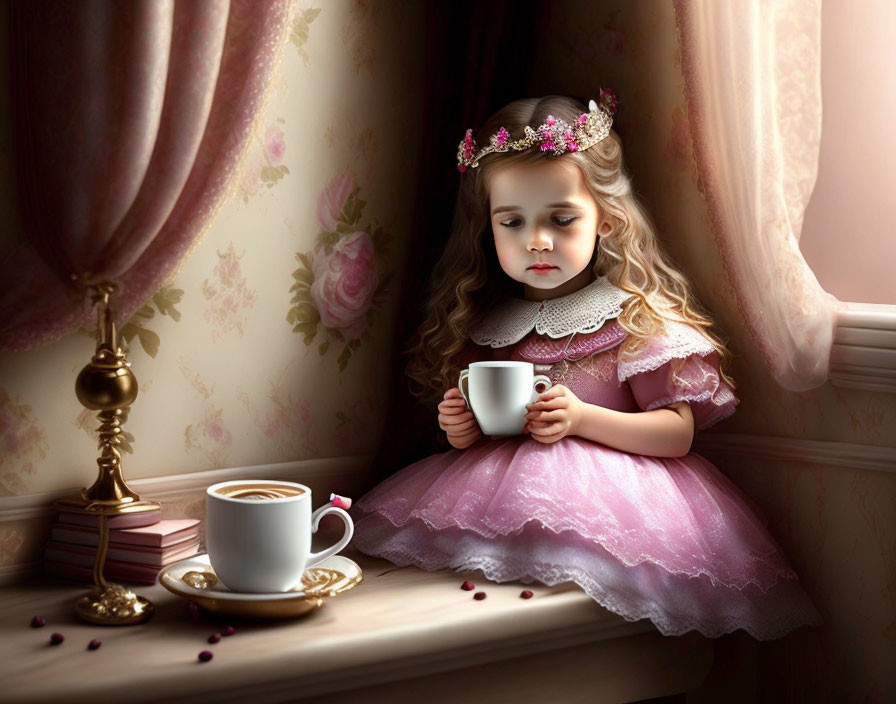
863	355
402	635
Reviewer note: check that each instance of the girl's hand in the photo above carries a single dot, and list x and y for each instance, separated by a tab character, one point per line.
457	420
554	415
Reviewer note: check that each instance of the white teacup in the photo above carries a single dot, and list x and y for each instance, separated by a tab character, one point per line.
499	393
258	533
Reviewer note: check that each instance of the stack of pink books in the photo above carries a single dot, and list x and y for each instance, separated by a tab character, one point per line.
136	553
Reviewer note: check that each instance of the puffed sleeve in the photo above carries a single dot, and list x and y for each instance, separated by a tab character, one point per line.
679	366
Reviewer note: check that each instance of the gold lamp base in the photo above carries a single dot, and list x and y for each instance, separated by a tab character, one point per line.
108	604
115	605
108	386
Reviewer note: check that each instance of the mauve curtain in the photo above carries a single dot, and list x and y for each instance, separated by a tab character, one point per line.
471	70
752	72
129	118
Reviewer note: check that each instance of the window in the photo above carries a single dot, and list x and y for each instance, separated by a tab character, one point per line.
849	234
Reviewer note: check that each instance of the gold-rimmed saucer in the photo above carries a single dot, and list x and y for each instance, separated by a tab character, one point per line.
193	578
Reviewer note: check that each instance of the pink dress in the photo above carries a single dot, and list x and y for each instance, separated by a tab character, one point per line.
669	539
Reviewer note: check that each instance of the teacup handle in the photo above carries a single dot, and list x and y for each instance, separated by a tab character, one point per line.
540	384
464	373
315	557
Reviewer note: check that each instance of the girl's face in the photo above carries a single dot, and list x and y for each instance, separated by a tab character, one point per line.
545	224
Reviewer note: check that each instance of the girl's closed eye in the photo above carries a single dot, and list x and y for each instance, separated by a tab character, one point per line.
557	220
564	221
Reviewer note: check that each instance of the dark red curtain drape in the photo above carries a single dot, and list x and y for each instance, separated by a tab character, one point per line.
479	57
129	119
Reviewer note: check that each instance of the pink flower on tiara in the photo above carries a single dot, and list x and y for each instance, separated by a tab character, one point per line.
553	135
468	144
547	136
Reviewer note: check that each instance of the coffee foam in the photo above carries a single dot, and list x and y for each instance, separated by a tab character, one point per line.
259	491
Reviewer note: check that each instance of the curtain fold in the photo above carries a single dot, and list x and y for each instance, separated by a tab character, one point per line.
752	73
471	71
129	120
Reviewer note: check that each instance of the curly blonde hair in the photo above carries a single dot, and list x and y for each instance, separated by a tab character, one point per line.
468	279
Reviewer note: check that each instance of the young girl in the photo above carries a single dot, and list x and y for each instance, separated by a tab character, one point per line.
553	261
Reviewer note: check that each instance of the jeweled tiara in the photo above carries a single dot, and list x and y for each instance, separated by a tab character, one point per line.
553	135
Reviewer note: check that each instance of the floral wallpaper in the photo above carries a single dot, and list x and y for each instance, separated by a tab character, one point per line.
138	327
267	344
342	284
228	298
23	444
266	167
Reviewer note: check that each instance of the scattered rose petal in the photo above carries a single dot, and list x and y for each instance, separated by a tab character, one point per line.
56	638
479	596
229	631
214	638
94	644
205	656
38	622
468	586
526	594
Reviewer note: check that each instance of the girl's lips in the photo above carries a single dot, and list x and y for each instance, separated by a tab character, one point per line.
542	268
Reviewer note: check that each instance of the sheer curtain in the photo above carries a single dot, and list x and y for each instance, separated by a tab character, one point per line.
129	118
752	72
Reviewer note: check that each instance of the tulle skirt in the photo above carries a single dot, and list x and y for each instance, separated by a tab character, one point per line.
669	539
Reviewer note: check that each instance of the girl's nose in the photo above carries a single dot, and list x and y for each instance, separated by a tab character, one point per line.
540	242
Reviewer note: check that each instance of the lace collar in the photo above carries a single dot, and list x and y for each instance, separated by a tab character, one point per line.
583	311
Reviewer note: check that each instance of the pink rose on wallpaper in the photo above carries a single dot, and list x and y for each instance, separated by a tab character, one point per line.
283	416
250	181
274	422
228	269
215	430
332	200
274	145
227	295
344	283
210	436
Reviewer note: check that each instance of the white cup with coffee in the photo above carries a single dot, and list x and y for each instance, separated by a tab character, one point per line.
258	534
498	393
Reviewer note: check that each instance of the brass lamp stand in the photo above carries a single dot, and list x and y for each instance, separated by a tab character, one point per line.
107	385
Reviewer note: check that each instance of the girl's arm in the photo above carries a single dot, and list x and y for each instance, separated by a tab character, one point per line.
664	432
